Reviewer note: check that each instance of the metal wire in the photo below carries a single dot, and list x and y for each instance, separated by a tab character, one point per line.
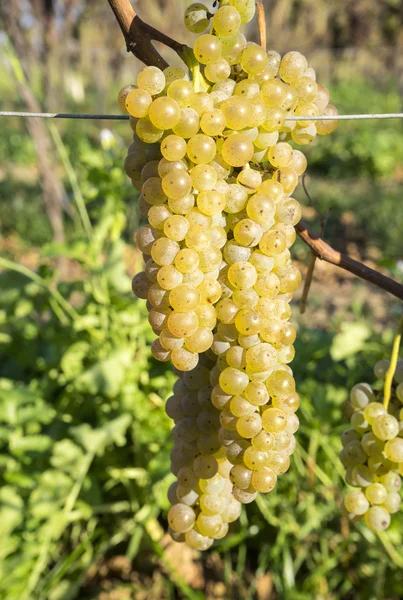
126	118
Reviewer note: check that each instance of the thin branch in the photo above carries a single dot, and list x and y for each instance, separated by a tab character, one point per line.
139	35
308	281
323	251
261	19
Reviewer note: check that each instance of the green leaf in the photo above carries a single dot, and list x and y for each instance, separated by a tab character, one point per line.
349	341
72	360
107	376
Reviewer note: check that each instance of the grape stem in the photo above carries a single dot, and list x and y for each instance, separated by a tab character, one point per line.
323	251
261	20
387	389
138	36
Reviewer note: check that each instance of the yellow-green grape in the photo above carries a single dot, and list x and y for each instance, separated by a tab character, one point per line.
163	251
189	123
258	113
273	93
196	18
149	170
292	67
304	135
182	92
361	395
201	149
261	209
152	191
217	71
187	496
322	98
226	21
247	89
122	95
254	59
274	420
184	298
210	259
249	426
182	324
289	212
237	150
167	166
206	315
196	217
165	112
170	341
209	525
290	279
260	358
248	322
210	290
138	103
356	503
181	518
242	275
358	422
173	74
158	297
237	198
280	384
233	381
239	406
352	454
263	480
275	119
247	232
152	80
211	202
288	179
256	393
176	184
273	189
235	357
394	449
205	466
141	285
241	476
306	110
385	427
279	462
157	215
147	132
250	179
306	89
254	459
381	368
327	127
298	162
234	253
280	155
235	451
173	148
212	122
201	102
265	140
169	277
184	360
158	352
207	49
377	518
196	540
186	261
399	392
244	496
263	441
376	493
392	503
203	177
212	503
272	243
237	112
226	311
176	227
288	405
391	481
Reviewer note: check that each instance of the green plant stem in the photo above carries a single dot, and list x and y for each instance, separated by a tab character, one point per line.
72	177
387	390
13	266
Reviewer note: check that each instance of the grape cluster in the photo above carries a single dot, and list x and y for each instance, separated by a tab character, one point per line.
216	173
373	451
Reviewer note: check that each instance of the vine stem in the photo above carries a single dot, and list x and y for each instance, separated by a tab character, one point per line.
387	390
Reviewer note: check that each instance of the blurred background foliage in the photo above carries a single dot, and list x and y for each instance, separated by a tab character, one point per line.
84	440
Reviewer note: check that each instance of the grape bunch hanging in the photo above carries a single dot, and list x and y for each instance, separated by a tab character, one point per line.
373	451
213	160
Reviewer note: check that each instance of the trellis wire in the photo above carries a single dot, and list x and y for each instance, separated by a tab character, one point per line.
359	117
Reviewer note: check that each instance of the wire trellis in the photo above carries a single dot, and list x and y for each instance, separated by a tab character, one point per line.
358	117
